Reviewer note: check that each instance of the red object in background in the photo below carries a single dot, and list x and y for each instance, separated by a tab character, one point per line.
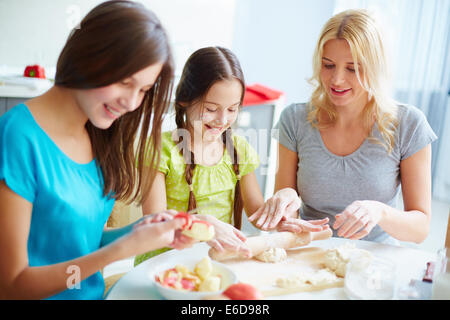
259	94
35	71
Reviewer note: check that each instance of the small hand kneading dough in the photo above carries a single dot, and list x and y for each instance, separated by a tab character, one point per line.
336	259
272	255
200	230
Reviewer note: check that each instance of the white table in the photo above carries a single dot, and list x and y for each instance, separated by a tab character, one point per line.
411	264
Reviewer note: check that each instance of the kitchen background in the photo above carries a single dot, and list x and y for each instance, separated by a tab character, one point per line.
274	41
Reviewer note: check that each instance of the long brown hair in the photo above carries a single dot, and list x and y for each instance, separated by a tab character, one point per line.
115	40
203	68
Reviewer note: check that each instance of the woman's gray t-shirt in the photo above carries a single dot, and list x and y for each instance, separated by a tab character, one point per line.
328	183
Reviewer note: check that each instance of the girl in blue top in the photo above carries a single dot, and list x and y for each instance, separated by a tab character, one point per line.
66	155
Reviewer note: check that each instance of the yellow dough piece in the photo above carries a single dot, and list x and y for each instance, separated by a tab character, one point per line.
204	268
183	270
200	230
210	284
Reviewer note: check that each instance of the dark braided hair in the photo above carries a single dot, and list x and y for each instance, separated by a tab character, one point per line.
202	70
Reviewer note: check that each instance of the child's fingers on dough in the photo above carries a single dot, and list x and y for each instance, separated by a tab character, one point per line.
279	213
256	214
239	234
289	223
245	250
294	205
290	227
308	226
216	245
275	213
241	248
319	222
264	216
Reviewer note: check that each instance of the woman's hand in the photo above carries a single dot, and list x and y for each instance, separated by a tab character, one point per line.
227	237
299	225
358	219
284	203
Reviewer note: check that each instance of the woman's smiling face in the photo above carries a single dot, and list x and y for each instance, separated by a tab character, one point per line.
338	75
218	110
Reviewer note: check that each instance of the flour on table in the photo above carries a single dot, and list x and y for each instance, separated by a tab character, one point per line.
335	263
272	255
336	259
318	278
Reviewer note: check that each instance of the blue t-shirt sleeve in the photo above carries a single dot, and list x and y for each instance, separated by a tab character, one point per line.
415	132
285	129
16	159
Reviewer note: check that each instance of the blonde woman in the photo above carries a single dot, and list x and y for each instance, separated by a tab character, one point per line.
352	149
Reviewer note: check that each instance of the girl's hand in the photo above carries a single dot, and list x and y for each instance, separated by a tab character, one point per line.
180	241
284	203
358	219
227	237
298	225
152	232
156	217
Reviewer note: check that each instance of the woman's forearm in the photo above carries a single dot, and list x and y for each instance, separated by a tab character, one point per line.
43	282
410	225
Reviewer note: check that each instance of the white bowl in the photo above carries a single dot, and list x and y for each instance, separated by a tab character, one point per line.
227	275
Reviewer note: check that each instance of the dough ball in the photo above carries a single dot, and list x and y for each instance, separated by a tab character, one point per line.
272	255
210	284
336	259
200	230
204	268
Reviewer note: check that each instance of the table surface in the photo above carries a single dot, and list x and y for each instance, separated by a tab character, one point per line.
410	263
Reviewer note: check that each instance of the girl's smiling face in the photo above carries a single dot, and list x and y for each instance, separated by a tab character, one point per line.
218	110
102	106
338	75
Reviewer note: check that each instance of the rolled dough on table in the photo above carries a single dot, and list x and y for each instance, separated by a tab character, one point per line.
272	255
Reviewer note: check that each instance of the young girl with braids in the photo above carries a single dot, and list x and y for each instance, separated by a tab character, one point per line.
203	162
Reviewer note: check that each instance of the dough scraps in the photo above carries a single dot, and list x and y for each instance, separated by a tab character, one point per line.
336	259
322	277
272	255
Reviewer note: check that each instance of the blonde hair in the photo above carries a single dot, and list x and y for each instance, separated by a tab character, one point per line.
363	35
